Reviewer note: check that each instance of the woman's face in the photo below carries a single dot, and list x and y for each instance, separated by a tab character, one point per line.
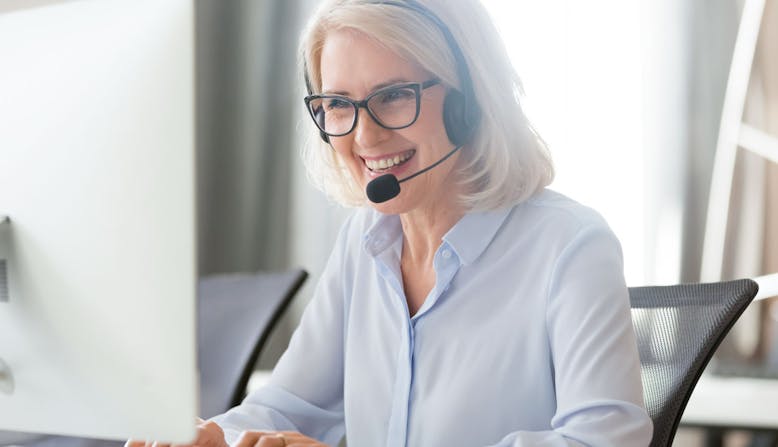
354	65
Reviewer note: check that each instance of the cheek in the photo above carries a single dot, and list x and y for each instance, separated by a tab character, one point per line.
430	121
342	148
346	157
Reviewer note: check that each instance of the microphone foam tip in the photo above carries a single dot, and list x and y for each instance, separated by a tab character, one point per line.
383	188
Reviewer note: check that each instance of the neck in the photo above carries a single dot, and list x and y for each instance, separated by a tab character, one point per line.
423	230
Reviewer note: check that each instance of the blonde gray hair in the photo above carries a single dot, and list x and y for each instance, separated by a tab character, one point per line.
504	163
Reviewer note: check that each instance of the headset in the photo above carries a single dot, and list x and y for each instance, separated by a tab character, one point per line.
461	114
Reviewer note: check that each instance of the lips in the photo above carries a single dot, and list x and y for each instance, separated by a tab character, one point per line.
388	162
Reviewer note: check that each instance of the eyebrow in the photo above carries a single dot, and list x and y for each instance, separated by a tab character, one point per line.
386	83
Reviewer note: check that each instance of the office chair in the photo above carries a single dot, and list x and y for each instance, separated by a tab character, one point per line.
678	328
235	317
236	314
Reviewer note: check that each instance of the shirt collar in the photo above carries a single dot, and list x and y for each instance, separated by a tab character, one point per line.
474	232
468	238
384	231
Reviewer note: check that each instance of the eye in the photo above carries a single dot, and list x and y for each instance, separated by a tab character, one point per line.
395	95
335	104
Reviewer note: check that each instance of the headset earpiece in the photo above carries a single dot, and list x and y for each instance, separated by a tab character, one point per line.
461	114
457	127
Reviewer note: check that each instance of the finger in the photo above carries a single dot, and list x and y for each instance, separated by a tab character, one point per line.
297	439
209	433
210	426
134	443
272	440
252	438
283	441
248	438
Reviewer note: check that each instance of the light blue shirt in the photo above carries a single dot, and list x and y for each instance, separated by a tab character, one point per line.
525	340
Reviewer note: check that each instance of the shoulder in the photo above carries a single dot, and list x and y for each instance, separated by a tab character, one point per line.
551	222
554	217
553	207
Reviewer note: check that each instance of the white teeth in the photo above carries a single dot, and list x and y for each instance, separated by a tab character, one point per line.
386	163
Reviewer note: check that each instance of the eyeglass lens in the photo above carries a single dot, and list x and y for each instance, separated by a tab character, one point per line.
393	108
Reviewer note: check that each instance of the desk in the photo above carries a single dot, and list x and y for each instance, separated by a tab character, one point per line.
733	402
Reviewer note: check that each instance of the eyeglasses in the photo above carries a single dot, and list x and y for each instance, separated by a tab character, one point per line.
394	107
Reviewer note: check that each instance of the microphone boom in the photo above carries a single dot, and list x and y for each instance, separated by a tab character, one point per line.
387	187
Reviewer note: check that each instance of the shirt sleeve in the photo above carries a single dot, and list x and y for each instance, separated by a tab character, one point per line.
594	352
305	390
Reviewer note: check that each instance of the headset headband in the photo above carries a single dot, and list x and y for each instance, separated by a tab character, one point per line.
470	112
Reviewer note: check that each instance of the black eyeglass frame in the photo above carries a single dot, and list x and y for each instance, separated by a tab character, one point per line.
417	87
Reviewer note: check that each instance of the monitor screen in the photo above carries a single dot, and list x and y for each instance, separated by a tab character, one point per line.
97	257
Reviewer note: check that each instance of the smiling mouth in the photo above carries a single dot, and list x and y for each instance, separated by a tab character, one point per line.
388	163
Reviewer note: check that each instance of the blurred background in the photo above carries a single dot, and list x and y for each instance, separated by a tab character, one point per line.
627	93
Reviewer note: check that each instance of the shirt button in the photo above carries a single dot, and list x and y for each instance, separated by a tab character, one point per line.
446	254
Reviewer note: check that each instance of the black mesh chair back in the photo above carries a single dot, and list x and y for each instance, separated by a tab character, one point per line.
678	328
236	314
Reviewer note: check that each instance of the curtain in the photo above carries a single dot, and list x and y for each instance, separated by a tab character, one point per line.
257	210
246	114
687	52
712	32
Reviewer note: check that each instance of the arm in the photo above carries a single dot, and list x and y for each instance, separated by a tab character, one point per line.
595	357
305	391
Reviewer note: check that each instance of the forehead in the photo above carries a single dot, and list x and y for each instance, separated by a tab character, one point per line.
353	63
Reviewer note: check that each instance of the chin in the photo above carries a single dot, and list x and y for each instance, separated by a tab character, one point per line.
397	205
386	207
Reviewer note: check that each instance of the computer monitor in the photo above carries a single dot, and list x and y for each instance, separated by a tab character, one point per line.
97	167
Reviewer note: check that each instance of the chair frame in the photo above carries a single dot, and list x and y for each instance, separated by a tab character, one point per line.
663	436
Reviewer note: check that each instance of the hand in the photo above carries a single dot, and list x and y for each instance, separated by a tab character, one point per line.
253	438
209	434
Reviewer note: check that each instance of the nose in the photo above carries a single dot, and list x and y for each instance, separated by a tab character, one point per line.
367	132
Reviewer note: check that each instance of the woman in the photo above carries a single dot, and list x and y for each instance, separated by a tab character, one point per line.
471	307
